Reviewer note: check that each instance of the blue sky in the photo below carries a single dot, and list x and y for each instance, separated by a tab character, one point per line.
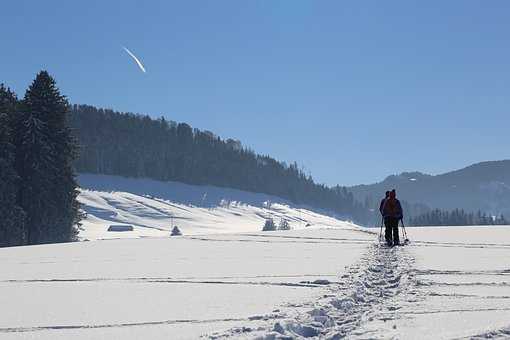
351	90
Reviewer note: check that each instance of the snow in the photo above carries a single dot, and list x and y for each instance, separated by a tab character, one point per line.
152	206
448	283
224	278
179	287
465	276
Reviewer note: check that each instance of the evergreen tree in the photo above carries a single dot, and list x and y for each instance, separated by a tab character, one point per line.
269	225
284	225
45	153
176	231
502	220
8	105
12	217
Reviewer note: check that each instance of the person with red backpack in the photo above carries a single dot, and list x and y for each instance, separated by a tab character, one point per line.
392	214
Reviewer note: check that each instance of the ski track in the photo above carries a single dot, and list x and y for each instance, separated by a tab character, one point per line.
460	284
325	241
132	324
155	279
502	333
382	286
462	272
306	284
371	289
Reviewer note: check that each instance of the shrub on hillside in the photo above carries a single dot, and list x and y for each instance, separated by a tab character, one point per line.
284	225
176	231
269	225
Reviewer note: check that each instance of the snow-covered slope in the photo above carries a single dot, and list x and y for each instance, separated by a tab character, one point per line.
151	207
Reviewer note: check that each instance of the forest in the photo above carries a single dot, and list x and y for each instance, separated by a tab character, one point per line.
133	145
456	217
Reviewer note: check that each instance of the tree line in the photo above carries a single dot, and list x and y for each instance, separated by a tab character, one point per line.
37	150
133	145
456	217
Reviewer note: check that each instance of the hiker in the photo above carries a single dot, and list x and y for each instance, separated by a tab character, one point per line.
392	213
386	195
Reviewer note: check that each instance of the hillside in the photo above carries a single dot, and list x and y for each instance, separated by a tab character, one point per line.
151	207
132	145
483	186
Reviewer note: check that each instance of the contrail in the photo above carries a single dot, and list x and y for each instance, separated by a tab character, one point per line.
138	62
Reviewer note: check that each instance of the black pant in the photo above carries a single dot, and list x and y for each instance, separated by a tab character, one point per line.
391	224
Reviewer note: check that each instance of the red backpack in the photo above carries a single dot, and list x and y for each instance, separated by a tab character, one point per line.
390	207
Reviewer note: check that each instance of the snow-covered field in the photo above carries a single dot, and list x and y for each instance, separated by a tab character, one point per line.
168	288
226	279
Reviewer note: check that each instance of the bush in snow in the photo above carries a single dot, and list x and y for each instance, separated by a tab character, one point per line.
269	225
176	231
284	225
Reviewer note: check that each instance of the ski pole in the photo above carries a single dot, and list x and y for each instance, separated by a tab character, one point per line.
403	229
380	232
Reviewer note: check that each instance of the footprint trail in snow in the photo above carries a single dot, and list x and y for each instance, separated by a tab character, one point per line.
371	293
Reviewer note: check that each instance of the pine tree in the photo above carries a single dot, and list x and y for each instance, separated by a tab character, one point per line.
34	167
46	150
12	217
8	104
269	225
176	231
502	220
284	225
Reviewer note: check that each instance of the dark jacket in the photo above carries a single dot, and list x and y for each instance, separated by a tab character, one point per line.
382	205
392	208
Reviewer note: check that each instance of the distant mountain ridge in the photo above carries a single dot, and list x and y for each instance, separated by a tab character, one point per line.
482	186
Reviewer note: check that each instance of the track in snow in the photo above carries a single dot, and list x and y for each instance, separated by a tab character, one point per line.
374	288
131	324
502	333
